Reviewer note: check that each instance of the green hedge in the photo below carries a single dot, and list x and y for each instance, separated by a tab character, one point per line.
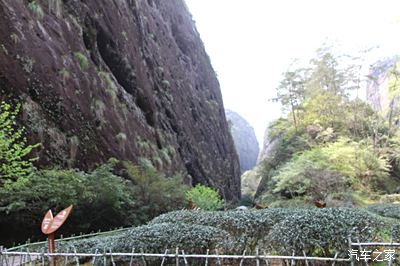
248	228
324	231
389	210
195	239
285	230
281	231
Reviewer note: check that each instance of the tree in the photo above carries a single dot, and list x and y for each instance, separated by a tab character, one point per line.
205	198
15	167
326	74
154	193
290	92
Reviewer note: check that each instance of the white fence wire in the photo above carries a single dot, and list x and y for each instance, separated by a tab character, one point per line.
179	257
14	258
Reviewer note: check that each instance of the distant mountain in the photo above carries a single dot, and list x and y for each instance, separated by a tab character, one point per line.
245	140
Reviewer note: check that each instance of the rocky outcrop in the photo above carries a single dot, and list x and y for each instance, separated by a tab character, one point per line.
266	160
268	149
245	140
377	90
383	89
128	79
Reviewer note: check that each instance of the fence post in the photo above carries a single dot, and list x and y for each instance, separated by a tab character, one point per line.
6	257
218	258
334	262
143	259
177	257
94	257
305	257
359	246
241	261
163	259
266	260
292	261
131	260
104	257
29	257
350	250
112	258
76	257
257	258
42	256
184	257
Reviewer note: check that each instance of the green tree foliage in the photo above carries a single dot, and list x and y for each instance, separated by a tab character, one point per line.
154	193
325	74
101	199
205	198
15	166
329	142
332	168
291	92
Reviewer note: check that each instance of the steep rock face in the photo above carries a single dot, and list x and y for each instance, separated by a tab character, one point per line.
117	78
377	90
268	148
266	160
245	140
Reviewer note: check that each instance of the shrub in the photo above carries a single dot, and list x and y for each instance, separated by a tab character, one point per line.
324	231
154	194
335	166
315	231
156	238
35	7
249	228
15	167
386	210
205	198
100	200
82	60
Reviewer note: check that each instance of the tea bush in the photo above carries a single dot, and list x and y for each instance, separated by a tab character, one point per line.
248	228
324	231
389	210
159	237
319	232
285	230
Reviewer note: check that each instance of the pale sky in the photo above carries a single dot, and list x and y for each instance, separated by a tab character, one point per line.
252	42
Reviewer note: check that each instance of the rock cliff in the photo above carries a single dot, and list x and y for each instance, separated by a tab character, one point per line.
377	89
245	140
117	78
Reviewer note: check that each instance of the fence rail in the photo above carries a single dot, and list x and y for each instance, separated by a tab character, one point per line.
81	236
14	258
179	257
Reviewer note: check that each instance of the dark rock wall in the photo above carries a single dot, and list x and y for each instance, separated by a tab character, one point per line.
245	140
117	78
